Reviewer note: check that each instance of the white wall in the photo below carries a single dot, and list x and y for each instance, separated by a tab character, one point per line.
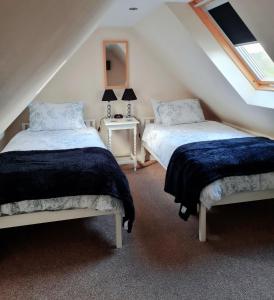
82	78
165	62
173	44
36	37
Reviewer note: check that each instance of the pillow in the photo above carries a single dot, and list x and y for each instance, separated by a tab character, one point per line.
180	112
155	106
51	116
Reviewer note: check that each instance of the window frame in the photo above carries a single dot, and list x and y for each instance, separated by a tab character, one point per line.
230	49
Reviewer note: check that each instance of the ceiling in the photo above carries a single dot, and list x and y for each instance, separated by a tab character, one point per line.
119	14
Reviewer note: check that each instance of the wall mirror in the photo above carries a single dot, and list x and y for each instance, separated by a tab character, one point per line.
115	55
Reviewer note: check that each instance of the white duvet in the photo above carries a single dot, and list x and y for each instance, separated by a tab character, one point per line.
55	139
163	140
52	140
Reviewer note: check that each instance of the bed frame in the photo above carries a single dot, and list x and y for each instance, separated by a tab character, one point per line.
232	199
53	216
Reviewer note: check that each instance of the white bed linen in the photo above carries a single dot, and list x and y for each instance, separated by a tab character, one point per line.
163	141
52	140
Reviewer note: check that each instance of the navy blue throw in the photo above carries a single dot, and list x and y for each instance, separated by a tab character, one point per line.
30	175
194	166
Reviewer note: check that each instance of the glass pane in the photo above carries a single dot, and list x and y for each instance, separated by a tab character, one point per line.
258	60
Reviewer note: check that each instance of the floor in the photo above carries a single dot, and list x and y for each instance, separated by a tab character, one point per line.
161	259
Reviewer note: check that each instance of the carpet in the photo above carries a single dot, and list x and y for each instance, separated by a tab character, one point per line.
161	259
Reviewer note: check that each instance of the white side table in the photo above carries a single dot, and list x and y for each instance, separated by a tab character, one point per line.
123	124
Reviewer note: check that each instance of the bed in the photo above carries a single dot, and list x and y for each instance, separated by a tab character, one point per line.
34	211
161	141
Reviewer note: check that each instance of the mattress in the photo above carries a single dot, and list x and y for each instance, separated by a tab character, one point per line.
162	141
53	140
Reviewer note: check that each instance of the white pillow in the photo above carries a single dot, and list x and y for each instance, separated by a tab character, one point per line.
155	105
51	116
179	112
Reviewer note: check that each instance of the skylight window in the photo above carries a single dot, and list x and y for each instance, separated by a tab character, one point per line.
238	41
258	60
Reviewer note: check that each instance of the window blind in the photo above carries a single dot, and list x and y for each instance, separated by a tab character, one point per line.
231	24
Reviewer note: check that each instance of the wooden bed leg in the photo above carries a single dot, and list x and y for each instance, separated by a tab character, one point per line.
202	223
118	230
142	154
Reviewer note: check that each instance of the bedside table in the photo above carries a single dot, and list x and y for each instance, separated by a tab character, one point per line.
123	124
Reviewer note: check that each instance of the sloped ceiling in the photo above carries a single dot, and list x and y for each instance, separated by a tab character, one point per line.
120	16
37	37
175	46
215	52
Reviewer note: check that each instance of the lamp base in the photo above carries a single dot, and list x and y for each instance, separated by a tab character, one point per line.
129	110
109	111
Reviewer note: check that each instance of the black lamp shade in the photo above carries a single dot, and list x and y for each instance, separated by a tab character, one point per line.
129	95
109	95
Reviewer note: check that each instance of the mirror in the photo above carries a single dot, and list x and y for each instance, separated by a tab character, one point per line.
116	64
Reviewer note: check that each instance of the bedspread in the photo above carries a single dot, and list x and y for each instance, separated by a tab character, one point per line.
195	165
163	140
30	175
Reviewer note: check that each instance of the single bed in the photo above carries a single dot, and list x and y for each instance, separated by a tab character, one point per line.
161	141
60	208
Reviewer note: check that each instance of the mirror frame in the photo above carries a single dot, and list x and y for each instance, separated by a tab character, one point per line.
105	44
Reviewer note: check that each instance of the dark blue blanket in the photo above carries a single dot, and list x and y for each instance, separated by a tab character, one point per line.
27	175
194	166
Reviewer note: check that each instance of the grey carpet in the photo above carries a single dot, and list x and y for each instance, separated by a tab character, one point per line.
161	259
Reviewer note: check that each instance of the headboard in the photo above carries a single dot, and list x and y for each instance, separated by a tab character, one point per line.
145	122
148	120
88	122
